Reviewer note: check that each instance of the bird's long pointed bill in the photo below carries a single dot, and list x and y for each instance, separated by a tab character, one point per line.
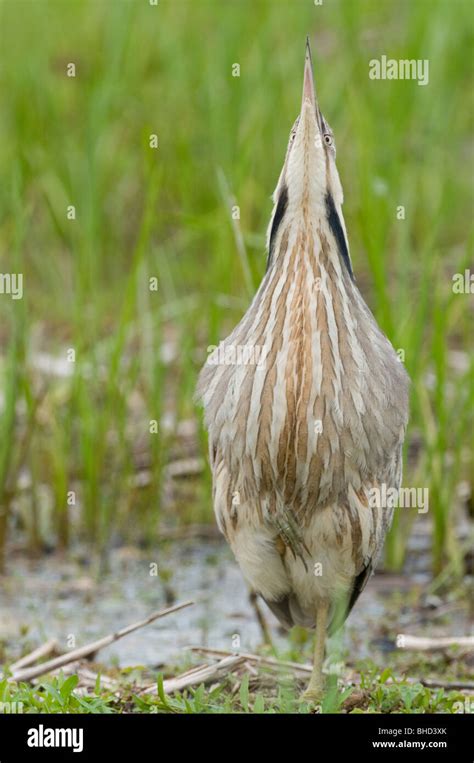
308	81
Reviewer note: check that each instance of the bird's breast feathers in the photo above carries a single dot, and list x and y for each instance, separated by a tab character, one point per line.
307	395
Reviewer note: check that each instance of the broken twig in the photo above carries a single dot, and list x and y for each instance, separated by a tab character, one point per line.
201	674
49	647
84	651
425	644
269	662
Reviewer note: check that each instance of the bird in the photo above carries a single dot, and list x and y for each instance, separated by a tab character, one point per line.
306	407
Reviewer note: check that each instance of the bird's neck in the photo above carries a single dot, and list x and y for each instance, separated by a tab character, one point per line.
310	247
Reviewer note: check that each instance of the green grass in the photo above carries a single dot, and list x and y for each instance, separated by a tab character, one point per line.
165	213
377	693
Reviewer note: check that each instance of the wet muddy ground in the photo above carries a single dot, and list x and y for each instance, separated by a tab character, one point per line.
74	603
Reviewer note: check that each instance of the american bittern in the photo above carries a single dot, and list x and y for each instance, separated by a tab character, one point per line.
305	430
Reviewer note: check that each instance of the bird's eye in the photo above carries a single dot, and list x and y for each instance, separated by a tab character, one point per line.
328	139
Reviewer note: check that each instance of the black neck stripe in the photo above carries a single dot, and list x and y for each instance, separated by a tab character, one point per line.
278	217
337	232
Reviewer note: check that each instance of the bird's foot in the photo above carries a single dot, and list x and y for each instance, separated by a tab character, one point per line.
313	694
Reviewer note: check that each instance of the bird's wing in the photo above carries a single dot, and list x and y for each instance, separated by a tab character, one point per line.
340	614
281	610
392	478
220	490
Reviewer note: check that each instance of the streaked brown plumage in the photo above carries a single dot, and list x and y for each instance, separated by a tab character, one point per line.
300	437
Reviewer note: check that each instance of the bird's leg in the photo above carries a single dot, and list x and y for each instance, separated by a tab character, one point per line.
253	598
314	692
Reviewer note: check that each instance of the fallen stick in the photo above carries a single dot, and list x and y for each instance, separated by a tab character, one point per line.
451	685
270	662
203	675
48	647
88	677
424	644
200	675
84	651
250	667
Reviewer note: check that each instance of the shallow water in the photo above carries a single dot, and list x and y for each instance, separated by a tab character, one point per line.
55	598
